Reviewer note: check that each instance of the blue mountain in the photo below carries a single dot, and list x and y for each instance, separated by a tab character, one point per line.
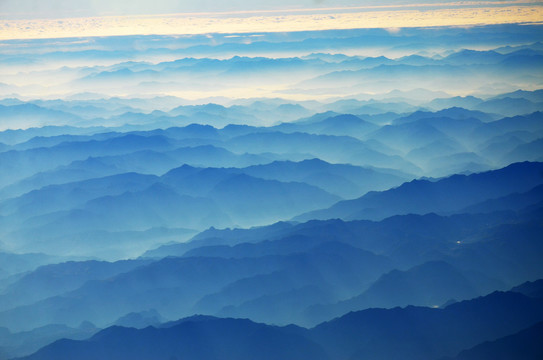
445	195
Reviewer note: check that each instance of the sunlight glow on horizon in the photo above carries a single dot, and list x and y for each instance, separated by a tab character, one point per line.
187	24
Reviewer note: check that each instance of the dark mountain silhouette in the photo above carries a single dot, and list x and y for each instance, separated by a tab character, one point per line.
424	238
446	195
196	338
419	333
416	332
525	344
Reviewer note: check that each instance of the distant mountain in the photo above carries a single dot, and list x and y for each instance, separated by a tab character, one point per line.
21	164
76	171
510	106
530	288
532	151
408	136
26	115
467	102
508	252
335	149
109	204
457	128
73	195
498	146
210	283
154	206
140	320
423	196
324	272
424	237
514	201
191	131
19	263
16	136
422	285
340	125
170	286
218	237
55	279
339	179
534	96
27	342
475	57
455	112
458	163
435	149
212	156
249	200
430	284
530	122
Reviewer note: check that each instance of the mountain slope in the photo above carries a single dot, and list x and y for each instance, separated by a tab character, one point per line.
446	195
193	338
526	344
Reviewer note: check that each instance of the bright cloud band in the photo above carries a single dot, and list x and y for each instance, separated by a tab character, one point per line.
183	24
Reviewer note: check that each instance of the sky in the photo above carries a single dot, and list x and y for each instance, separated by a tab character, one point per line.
31	19
53	9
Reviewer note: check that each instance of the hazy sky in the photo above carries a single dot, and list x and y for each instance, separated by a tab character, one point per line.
30	19
35	9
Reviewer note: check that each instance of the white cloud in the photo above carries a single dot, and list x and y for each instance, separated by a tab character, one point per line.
206	24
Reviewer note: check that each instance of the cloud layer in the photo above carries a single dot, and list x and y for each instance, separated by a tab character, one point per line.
241	23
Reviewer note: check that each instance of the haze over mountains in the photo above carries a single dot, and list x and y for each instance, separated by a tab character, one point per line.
312	195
